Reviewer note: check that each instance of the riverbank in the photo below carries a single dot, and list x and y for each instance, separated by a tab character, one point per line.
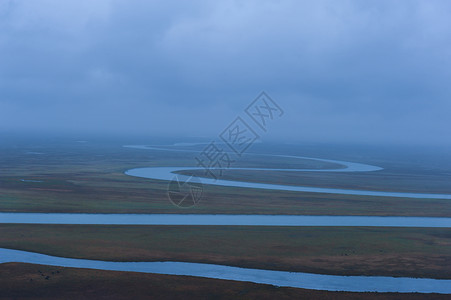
36	282
61	180
370	251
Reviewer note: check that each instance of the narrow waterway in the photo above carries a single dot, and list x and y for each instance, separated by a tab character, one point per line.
278	278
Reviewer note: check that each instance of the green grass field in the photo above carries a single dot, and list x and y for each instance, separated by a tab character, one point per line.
89	178
408	252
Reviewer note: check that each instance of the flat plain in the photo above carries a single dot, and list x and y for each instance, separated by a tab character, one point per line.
88	177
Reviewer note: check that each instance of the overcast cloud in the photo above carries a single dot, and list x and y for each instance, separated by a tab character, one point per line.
342	70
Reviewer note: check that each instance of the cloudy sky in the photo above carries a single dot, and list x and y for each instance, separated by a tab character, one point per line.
354	71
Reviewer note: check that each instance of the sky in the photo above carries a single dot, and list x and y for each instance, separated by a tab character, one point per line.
342	71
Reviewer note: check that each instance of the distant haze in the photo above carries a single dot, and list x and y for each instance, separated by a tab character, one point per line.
353	71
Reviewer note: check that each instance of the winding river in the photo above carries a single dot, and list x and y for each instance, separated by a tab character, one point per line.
278	278
167	173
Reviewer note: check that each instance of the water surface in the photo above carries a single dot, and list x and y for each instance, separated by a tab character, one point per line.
168	173
278	278
210	219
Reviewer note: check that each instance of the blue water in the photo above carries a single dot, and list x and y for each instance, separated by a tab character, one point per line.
204	219
167	173
278	278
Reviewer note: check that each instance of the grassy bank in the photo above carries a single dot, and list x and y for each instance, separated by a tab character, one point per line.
27	281
74	177
410	252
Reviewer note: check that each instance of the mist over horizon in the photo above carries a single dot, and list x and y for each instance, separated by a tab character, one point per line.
374	72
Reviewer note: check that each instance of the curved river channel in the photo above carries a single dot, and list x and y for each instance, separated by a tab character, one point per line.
278	278
167	173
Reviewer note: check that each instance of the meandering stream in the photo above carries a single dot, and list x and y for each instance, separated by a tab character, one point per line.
278	278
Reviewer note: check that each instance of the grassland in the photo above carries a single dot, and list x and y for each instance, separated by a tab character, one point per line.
409	252
36	282
89	178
